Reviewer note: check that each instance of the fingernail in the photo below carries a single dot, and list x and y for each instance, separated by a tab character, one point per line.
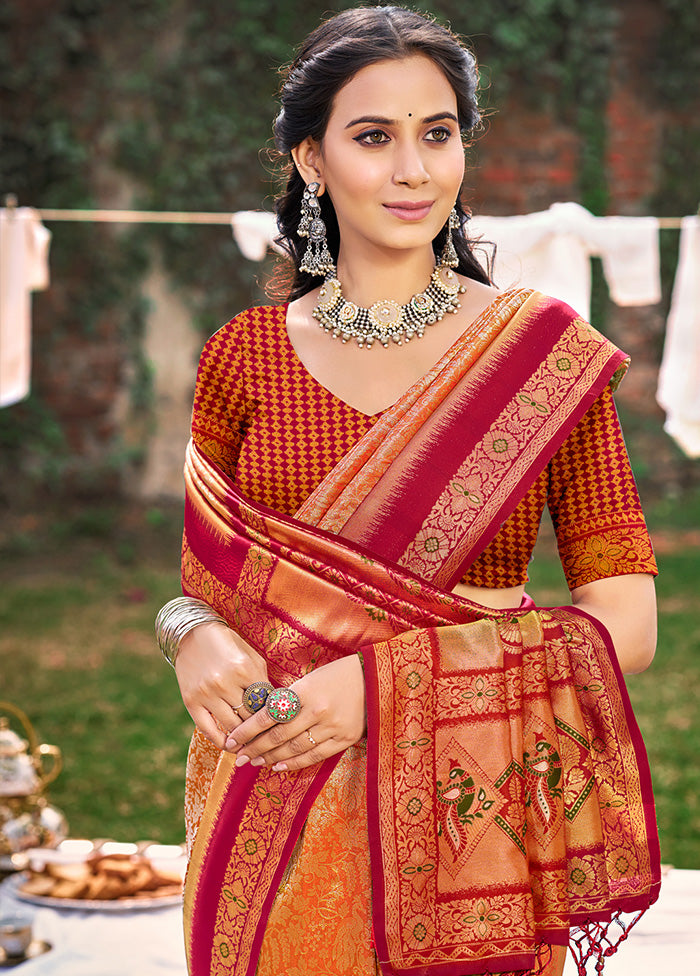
279	767
258	761
231	745
242	760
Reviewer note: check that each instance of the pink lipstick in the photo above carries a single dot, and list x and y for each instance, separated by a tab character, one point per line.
410	210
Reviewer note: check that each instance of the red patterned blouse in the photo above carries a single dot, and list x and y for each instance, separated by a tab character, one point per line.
277	432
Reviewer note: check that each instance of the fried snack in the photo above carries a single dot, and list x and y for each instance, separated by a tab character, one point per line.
69	889
103	878
38	884
68	872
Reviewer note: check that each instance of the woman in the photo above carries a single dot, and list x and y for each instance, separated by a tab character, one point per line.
455	778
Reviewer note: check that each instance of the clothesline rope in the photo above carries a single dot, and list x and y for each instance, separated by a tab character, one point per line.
184	217
192	217
137	216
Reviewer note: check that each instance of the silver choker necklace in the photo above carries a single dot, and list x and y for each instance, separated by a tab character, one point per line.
387	320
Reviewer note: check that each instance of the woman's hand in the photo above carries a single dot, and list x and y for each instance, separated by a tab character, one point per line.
332	717
214	666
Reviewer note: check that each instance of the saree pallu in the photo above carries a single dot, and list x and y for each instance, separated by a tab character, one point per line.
508	794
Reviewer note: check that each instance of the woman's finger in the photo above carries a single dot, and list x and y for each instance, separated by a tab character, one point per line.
223	713
309	757
240	713
291	748
270	726
302	750
216	718
251	728
208	725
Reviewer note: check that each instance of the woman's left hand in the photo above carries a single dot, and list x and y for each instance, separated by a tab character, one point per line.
332	718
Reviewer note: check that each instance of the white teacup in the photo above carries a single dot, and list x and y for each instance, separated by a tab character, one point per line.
15	933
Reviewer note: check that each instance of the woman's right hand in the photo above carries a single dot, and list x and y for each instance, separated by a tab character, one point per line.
214	666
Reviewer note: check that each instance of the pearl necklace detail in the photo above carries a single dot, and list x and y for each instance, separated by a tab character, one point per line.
387	321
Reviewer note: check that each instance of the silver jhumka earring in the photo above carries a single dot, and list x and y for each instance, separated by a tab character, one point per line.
449	254
317	259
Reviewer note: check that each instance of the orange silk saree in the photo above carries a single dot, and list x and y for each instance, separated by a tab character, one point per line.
509	801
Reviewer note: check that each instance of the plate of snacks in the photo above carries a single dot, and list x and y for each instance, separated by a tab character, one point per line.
105	877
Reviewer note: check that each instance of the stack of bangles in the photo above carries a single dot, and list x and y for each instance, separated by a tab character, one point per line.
178	617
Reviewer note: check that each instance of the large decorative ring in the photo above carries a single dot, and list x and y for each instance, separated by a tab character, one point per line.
255	695
283	704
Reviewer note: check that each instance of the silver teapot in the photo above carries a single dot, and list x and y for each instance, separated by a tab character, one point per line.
27	819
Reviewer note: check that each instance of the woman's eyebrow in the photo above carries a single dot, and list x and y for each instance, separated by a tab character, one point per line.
439	116
381	120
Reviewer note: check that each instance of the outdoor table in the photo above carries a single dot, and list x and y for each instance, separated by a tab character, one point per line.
149	942
142	942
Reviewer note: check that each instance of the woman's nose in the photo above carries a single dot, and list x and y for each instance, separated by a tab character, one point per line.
410	169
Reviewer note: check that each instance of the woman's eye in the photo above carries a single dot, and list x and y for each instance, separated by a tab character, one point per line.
374	138
439	134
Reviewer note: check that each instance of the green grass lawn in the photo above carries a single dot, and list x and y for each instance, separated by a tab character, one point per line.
77	654
78	596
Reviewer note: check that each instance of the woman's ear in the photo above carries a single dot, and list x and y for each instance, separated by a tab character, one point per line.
307	159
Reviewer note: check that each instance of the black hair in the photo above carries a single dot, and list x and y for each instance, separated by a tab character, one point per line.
329	57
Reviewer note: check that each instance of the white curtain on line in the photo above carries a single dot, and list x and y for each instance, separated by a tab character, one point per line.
679	377
24	268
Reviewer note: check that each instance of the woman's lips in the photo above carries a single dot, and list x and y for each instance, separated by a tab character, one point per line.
405	210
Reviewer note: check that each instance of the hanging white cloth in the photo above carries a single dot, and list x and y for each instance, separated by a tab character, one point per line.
254	231
551	251
24	252
679	377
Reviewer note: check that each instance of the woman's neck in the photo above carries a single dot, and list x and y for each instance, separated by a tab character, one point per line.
372	276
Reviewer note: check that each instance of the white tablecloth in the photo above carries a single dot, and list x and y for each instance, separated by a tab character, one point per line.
149	943
135	943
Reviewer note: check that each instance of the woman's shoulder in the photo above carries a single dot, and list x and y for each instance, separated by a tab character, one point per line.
253	321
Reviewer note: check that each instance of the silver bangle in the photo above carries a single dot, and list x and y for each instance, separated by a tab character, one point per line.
177	618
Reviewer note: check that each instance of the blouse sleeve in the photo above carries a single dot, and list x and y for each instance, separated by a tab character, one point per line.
594	503
219	411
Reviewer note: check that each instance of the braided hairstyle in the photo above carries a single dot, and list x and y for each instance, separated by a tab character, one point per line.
329	57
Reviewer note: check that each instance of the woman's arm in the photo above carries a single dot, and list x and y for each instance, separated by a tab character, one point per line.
626	606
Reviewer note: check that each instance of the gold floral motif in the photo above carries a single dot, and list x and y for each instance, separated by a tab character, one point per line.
479	694
467	493
482	919
533	402
500	446
418	868
433	543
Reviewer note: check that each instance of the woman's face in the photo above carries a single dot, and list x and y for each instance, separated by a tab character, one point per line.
392	158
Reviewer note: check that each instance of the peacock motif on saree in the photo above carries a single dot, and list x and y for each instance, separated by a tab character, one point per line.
543	773
460	803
